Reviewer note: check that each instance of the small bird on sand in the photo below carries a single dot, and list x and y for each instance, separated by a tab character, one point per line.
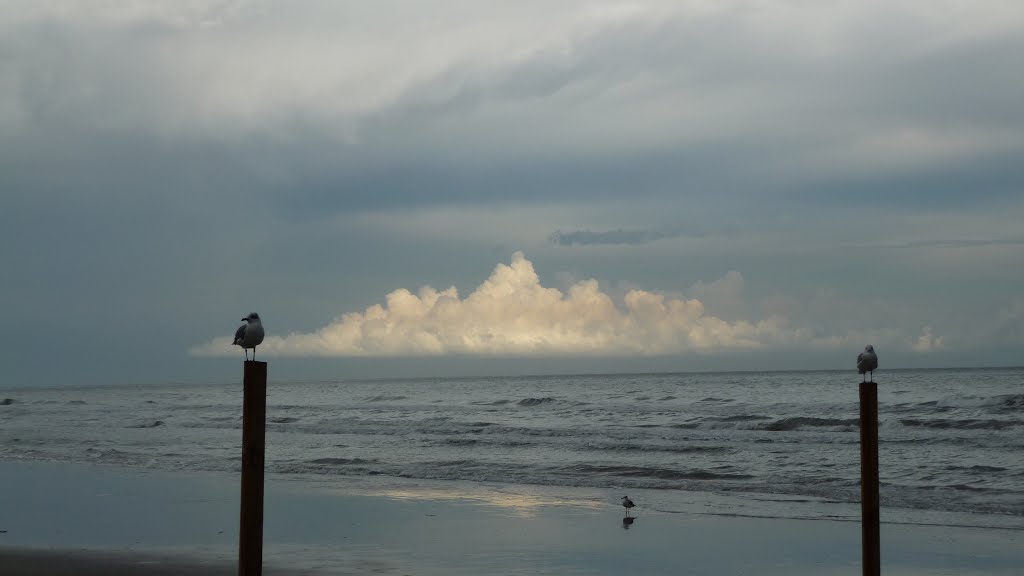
250	334
867	361
627	504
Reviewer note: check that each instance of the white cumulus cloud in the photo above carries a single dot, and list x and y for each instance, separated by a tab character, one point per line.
928	342
513	314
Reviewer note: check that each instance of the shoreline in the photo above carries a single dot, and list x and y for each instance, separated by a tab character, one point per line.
230	380
777	447
64	519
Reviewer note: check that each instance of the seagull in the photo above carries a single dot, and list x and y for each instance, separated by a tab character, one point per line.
250	334
627	504
867	361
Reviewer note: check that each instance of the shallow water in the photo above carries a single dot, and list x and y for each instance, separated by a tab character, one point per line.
951	440
310	528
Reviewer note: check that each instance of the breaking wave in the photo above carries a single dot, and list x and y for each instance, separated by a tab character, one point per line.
799	422
536	401
657	473
963	424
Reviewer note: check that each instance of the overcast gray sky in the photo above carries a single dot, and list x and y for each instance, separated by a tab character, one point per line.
418	188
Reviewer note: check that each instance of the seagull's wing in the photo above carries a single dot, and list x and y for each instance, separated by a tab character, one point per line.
860	357
240	334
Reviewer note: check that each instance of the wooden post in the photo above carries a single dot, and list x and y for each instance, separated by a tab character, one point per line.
254	424
869	503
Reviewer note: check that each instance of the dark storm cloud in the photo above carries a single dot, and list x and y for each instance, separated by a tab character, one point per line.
748	110
610	237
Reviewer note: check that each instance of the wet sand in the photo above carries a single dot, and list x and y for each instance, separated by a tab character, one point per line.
74	519
66	563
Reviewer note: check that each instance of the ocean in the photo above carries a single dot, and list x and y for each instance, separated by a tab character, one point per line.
773	444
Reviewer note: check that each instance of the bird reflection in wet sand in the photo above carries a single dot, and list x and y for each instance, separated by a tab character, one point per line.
628	520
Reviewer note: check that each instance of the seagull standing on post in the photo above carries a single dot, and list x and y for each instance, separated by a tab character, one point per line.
249	335
867	361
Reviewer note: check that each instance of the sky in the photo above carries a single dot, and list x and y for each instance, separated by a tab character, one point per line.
476	188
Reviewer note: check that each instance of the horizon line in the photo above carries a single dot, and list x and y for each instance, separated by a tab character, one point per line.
191	382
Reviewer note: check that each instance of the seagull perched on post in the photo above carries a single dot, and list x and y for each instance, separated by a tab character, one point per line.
249	335
867	361
627	504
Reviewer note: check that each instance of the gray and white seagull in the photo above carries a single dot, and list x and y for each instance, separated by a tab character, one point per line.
867	361
250	334
627	504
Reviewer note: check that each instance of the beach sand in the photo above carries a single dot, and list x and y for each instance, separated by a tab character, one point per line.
77	519
43	563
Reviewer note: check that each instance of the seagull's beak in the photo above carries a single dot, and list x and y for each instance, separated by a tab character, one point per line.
245	319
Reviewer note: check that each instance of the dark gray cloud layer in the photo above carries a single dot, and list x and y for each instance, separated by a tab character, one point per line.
610	237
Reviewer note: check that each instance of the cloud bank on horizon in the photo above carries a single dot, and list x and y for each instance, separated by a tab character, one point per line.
513	314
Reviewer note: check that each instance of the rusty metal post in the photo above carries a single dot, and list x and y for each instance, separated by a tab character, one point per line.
254	425
869	502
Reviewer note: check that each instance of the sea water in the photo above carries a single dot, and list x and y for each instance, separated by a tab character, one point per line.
748	443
